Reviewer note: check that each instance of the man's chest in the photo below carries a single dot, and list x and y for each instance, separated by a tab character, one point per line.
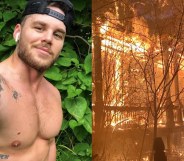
24	117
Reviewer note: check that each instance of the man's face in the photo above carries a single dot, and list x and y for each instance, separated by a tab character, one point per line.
41	40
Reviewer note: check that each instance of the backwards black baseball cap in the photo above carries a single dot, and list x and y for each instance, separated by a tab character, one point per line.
41	7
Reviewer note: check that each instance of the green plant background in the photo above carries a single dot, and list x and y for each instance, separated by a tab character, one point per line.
71	74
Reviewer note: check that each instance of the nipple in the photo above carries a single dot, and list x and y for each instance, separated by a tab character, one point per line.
16	144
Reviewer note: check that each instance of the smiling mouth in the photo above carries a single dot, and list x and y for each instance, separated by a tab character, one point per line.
44	51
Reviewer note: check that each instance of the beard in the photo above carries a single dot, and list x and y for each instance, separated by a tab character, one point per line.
31	60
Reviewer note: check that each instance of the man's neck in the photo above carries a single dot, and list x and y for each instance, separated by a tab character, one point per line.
24	73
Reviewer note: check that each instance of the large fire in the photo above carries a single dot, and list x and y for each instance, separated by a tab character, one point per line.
133	45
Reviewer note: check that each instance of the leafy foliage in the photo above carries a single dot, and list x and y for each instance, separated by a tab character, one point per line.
71	74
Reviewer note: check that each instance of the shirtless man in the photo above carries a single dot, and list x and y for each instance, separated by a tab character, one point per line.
30	107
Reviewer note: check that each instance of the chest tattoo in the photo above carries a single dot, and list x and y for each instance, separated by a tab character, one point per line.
1	88
15	95
3	82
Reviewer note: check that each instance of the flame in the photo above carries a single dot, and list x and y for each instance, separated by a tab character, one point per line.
104	28
146	158
128	44
116	43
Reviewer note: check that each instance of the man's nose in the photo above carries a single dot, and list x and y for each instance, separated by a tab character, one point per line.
48	36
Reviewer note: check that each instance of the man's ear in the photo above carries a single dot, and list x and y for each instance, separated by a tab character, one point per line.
16	33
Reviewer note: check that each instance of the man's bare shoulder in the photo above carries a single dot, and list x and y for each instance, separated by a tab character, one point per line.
3	79
2	68
3	64
52	91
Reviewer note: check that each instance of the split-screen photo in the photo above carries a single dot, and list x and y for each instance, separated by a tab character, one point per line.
90	80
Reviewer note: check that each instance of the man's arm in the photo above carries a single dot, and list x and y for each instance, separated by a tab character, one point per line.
52	151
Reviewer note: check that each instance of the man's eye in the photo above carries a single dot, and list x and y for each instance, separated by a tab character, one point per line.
58	36
39	28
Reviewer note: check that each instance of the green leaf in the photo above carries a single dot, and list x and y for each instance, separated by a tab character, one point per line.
79	5
73	72
2	24
81	147
88	63
66	62
80	133
75	61
72	91
53	74
67	46
64	74
88	110
86	79
76	107
70	80
16	4
89	151
83	87
73	124
79	20
65	124
12	3
90	40
3	48
77	160
68	52
65	155
21	4
88	123
8	15
61	86
10	43
1	15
